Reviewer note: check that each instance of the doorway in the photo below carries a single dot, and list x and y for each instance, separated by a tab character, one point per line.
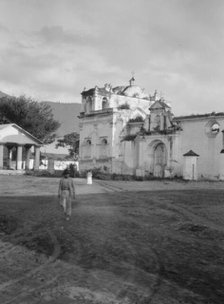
159	160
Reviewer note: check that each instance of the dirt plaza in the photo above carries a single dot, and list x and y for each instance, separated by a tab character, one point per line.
127	242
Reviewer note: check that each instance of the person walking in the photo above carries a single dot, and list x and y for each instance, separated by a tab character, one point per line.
66	191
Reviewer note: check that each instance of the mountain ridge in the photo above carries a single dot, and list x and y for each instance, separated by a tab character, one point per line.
65	113
2	94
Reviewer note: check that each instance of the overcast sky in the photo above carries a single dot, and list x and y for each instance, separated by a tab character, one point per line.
52	49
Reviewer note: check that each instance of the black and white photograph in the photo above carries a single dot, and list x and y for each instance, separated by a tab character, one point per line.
111	152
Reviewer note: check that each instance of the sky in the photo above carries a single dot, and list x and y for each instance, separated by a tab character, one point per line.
52	49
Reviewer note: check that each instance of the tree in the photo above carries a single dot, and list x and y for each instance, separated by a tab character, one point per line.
71	141
36	118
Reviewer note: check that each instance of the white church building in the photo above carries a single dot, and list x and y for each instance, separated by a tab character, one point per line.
124	130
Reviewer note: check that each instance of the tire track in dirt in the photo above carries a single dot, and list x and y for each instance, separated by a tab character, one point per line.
124	290
202	220
158	282
35	289
109	187
185	213
157	278
159	265
188	216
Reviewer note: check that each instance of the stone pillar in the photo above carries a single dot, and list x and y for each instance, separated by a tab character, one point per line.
50	165
161	121
140	170
1	155
10	157
28	153
19	158
221	159
94	150
141	154
37	158
221	165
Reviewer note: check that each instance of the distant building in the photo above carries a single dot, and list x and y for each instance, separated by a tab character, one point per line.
126	131
16	146
56	158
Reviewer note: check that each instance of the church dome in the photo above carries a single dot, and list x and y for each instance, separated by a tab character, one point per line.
135	91
118	90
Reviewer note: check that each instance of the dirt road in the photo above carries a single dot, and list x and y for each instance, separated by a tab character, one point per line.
160	243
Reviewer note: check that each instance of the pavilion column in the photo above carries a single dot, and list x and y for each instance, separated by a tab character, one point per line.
140	169
10	157
1	155
28	154
161	122
19	160
37	158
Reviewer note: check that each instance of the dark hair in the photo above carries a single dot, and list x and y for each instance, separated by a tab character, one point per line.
66	171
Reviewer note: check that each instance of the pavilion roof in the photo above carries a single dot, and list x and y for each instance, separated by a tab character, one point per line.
12	133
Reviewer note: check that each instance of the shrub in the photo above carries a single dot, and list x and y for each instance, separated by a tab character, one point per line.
124	177
103	176
96	172
129	137
44	173
73	170
124	106
136	119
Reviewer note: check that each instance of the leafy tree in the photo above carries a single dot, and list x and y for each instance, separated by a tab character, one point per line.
71	141
136	119
36	118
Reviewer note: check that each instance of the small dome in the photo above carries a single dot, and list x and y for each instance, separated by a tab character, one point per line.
118	90
135	91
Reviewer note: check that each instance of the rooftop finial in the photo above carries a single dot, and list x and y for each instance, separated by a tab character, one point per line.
131	81
155	95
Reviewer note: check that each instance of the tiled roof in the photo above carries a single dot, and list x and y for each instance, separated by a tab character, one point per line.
213	114
161	104
17	138
190	153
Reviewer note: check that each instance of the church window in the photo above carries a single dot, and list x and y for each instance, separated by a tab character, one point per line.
212	128
103	148
104	103
215	128
87	148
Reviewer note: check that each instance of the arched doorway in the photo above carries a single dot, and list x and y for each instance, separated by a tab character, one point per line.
159	159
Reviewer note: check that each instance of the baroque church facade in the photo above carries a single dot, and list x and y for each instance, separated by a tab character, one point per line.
124	130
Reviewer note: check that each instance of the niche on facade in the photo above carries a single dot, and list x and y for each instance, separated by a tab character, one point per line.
212	128
157	122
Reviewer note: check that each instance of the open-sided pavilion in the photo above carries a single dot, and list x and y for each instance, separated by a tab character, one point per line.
16	145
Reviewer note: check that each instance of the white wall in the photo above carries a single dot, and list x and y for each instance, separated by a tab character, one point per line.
194	137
